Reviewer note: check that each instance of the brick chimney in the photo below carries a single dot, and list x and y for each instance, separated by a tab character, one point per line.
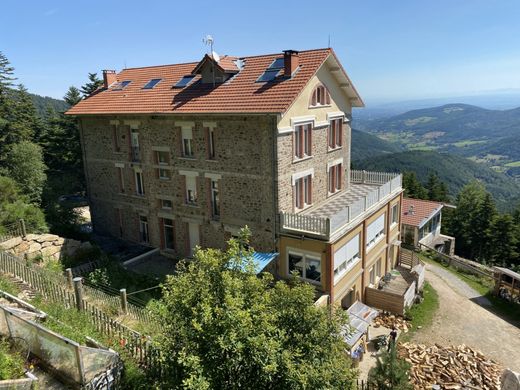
109	77
291	61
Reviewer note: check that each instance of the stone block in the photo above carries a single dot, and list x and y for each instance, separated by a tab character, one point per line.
10	244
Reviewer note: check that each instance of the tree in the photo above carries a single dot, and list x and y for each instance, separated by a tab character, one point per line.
437	190
390	372
413	187
6	81
480	233
224	327
25	165
92	85
504	240
73	96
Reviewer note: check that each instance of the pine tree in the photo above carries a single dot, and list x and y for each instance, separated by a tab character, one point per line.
504	240
390	372
437	190
6	82
485	212
413	187
73	96
92	85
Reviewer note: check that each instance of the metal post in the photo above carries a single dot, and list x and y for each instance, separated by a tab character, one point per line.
124	302
78	291
68	273
22	225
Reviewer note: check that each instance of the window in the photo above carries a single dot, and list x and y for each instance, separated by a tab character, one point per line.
152	83
215	200
306	266
320	97
134	141
115	136
191	189
121	179
378	267
372	276
395	213
376	230
303	192
273	71
184	81
335	178
120	86
143	229
166	204
164	174
168	233
303	140
139	185
162	158
335	134
211	143
345	257
187	142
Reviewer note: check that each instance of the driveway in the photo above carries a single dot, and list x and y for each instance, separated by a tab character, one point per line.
460	320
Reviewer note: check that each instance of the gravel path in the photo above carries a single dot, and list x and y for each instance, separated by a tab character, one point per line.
460	320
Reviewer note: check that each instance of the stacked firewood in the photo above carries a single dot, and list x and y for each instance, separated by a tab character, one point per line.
459	367
390	321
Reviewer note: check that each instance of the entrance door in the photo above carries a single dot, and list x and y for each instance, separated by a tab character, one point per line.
348	300
193	230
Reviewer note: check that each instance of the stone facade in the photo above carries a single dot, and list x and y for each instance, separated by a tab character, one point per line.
243	165
47	246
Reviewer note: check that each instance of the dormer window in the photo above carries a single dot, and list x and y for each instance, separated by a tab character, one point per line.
152	83
320	97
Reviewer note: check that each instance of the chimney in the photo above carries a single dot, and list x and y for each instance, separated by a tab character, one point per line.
109	77
290	61
411	210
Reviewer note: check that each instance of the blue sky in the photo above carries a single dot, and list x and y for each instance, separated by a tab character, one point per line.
392	50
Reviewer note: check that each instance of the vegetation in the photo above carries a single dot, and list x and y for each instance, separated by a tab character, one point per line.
225	327
390	372
421	315
366	145
454	171
11	362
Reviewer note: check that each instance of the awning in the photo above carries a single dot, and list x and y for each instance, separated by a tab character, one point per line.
262	260
360	317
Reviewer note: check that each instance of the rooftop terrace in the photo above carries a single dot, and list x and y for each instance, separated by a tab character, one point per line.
367	191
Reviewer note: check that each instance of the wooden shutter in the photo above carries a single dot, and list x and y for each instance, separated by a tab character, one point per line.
309	189
183	190
314	97
208	198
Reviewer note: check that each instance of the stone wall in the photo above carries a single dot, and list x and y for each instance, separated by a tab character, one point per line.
48	246
244	162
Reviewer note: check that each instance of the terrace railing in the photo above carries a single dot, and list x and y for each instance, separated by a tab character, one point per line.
384	184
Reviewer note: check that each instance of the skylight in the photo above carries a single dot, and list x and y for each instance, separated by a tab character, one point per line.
272	71
121	85
152	83
184	81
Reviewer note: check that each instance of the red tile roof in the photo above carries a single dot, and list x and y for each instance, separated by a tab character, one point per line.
240	94
422	211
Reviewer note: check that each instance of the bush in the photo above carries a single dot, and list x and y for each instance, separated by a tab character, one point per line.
11	362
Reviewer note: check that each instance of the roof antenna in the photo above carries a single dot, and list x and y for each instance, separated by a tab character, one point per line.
208	41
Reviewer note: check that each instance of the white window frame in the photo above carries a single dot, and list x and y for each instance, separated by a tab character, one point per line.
191	190
158	154
394	213
187	142
164	174
144	233
166	207
211	143
215	199
302	143
335	136
139	183
303	184
379	235
305	255
351	259
335	172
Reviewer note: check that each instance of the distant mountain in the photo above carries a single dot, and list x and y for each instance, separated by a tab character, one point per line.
365	145
455	171
41	103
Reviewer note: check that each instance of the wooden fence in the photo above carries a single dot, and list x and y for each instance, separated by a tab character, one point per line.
13	230
56	289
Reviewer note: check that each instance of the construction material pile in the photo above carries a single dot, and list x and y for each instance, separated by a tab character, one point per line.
459	367
390	321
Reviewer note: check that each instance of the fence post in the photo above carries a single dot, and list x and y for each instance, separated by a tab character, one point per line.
78	291
363	176
70	277
22	225
124	302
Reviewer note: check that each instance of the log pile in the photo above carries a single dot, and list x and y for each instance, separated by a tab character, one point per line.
455	367
390	320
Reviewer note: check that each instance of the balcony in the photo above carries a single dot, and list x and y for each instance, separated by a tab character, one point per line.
366	192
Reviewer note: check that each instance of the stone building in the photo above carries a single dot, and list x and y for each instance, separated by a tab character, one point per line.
183	155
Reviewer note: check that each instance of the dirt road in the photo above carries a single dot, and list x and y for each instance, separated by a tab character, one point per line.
460	320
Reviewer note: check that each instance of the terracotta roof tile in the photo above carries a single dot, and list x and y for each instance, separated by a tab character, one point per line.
239	94
422	210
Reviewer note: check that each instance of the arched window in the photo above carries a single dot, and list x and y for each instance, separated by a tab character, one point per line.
320	96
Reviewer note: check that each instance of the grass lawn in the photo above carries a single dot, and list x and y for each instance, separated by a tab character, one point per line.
513	164
422	314
461	144
484	286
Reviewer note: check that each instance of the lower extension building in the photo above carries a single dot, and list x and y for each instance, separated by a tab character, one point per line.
183	155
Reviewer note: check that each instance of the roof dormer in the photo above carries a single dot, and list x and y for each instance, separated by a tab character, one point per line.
216	69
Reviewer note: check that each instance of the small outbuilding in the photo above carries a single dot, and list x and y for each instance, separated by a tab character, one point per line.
507	284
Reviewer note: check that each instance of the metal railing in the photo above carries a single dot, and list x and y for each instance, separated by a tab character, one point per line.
384	185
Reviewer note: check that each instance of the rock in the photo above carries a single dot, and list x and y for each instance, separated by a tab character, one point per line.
46	244
31	237
22	248
58	241
10	244
50	251
33	247
46	237
510	380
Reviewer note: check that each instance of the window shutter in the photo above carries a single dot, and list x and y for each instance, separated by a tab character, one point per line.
301	192
309	139
183	190
314	97
187	243
129	135
340	132
300	142
309	194
208	198
206	140
178	134
340	176
327	97
161	230
114	137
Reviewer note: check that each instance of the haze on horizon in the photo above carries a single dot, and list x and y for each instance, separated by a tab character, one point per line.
393	51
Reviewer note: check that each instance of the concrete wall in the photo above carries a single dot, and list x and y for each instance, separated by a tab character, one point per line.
244	161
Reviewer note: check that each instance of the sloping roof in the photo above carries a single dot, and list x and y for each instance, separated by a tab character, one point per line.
423	210
240	94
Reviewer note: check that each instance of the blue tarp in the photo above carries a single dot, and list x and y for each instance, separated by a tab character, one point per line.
262	260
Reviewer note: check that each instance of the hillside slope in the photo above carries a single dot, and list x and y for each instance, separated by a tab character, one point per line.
454	170
365	145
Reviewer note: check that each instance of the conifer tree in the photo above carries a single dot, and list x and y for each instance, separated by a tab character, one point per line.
504	240
390	372
437	190
6	82
482	218
413	187
73	96
93	84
